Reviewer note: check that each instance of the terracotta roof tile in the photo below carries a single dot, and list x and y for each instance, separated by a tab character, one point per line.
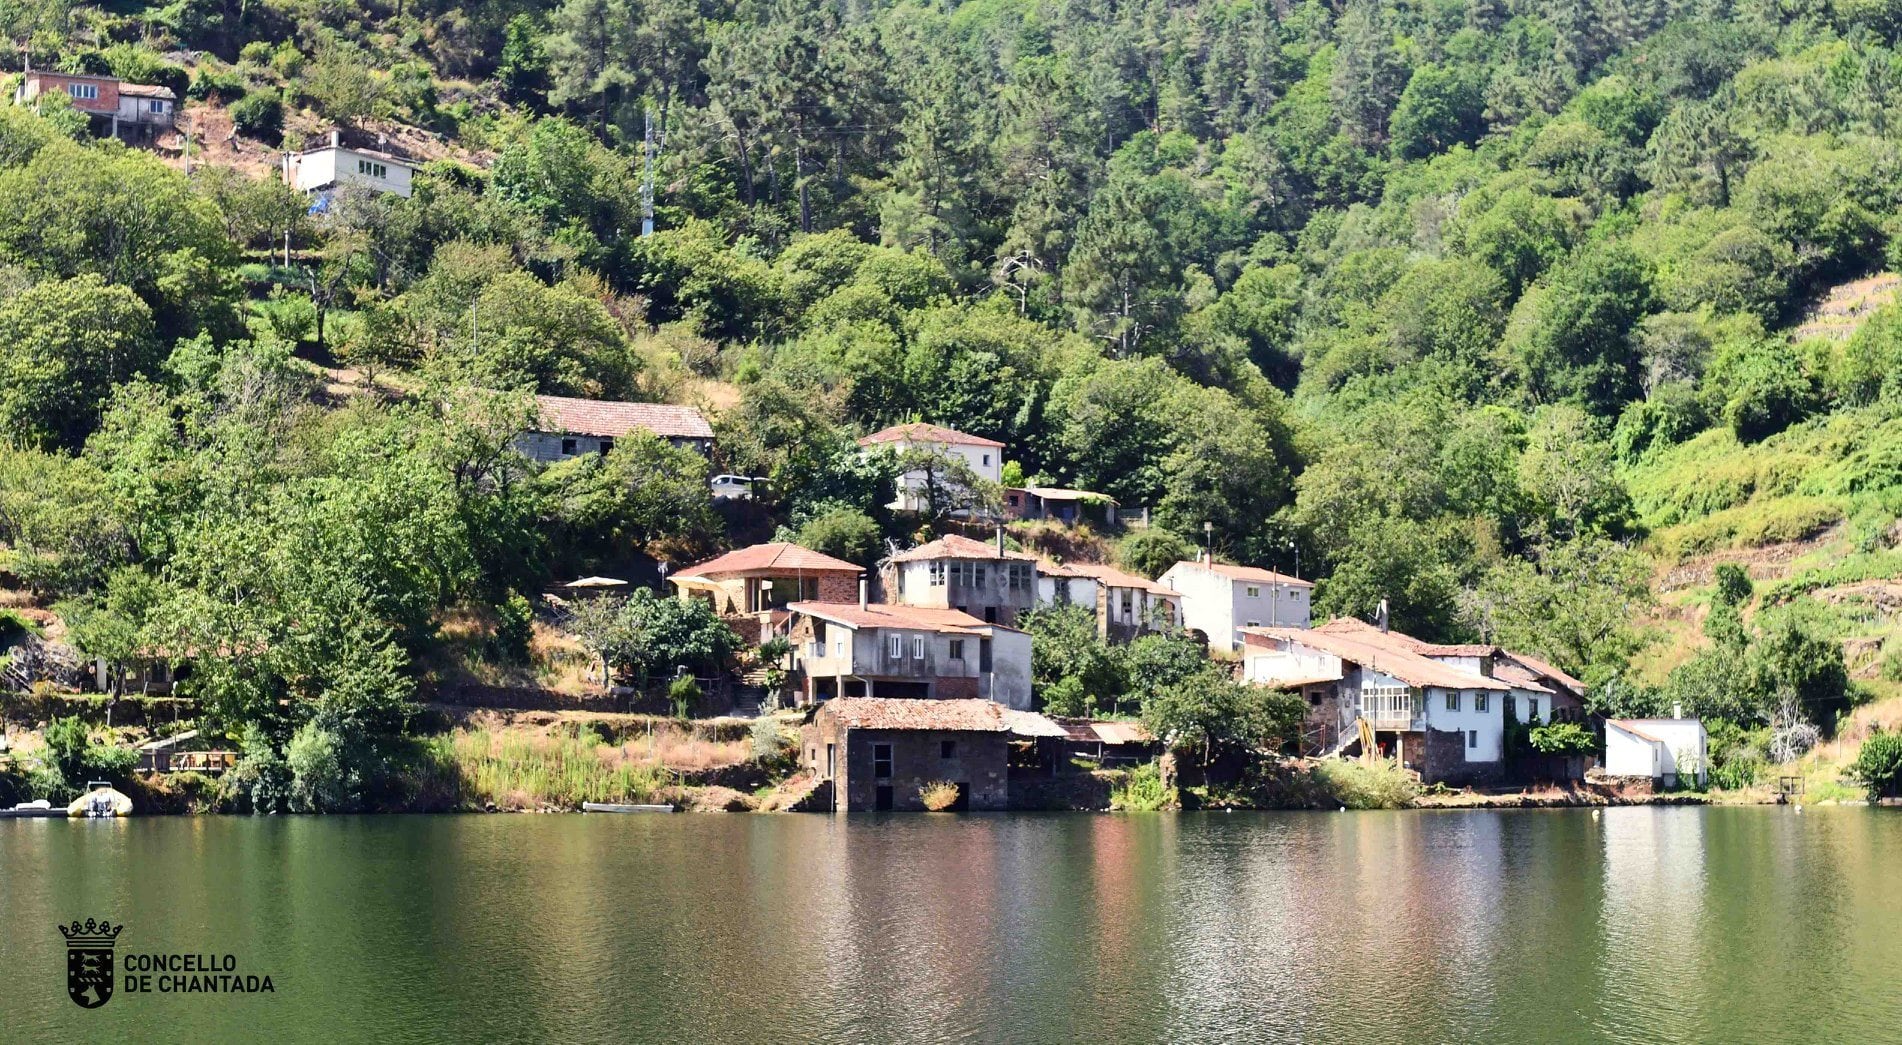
1545	669
1352	626
1248	573
963	714
616	419
1112	577
952	546
777	556
888	615
1380	652
920	432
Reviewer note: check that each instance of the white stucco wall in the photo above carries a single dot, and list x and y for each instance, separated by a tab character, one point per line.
1207	605
986	462
1680	747
333	165
1490	725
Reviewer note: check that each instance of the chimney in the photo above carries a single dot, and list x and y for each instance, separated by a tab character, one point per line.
1677	710
1380	615
862	597
1000	540
336	139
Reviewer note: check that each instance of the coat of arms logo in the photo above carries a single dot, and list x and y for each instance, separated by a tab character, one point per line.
89	961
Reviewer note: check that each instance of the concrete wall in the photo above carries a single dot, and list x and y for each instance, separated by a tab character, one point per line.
1681	749
1272	605
994	600
1009	681
979	761
1207	605
334	165
1447	761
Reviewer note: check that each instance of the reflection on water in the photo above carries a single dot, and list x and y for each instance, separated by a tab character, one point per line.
1646	924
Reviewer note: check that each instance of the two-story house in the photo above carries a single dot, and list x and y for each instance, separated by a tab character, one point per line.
985	457
982	578
134	113
568	427
329	166
1126	605
1444	720
881	650
1220	599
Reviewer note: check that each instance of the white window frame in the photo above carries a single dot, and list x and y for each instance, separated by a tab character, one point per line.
1452	700
895	647
1479	702
1532	709
957	649
83	92
917	647
1253	591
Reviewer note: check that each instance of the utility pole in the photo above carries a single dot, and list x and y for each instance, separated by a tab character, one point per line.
647	176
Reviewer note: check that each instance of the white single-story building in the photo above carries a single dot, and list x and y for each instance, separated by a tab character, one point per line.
577	427
328	166
1663	749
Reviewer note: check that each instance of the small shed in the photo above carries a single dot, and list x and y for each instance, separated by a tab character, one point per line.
878	752
1662	749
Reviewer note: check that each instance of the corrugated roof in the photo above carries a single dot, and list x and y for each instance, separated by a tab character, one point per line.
1631	726
1121	732
1247	573
777	556
888	615
615	419
1031	724
920	432
1379	652
1058	493
953	546
963	714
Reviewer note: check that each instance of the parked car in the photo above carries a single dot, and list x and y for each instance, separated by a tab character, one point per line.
732	486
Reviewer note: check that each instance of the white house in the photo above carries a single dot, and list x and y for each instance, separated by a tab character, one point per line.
878	650
984	456
1126	605
320	169
1219	599
573	427
1442	720
1663	749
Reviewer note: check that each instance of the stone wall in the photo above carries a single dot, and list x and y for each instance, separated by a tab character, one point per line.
1445	761
980	761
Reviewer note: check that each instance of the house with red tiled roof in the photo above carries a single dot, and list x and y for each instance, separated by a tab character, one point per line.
1445	720
1541	692
762	578
134	113
567	427
868	649
1219	599
983	578
874	753
1126	605
984	456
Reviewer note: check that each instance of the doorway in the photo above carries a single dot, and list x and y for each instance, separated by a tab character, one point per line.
882	798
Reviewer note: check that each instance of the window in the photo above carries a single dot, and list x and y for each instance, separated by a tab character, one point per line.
86	92
1479	702
1512	706
606	445
1472	738
838	648
1452	701
1020	576
947	749
1254	624
1129	602
957	649
568	447
895	647
882	761
977	574
936	572
1532	709
987	460
917	647
373	170
832	761
1254	591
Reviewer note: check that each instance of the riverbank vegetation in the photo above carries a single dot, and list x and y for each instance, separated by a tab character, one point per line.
1539	323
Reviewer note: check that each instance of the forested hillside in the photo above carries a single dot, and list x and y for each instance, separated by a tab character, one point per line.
1493	309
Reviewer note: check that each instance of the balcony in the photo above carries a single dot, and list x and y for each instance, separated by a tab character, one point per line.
1391	708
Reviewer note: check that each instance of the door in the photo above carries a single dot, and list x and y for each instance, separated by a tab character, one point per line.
882	798
984	655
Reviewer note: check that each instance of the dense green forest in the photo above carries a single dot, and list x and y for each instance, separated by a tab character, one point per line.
1488	308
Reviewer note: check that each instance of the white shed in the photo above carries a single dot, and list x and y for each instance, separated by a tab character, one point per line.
1659	748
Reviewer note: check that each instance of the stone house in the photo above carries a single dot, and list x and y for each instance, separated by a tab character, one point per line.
1220	599
877	753
981	578
876	649
984	456
134	113
571	427
1126	605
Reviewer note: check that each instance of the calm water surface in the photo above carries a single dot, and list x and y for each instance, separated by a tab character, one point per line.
1646	925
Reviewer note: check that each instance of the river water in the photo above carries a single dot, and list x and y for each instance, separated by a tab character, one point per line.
1650	924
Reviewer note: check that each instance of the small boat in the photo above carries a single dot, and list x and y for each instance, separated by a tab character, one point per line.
622	807
99	803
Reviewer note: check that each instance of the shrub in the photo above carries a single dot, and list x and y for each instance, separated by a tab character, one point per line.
259	116
514	627
767	740
683	693
939	795
1878	765
1563	738
1143	791
78	759
227	86
321	778
1151	551
261	781
1382	784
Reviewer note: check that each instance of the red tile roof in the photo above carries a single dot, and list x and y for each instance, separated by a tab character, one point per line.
962	714
1540	667
920	432
889	615
952	546
615	419
1248	573
1379	651
1352	626
775	558
1630	726
1111	577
